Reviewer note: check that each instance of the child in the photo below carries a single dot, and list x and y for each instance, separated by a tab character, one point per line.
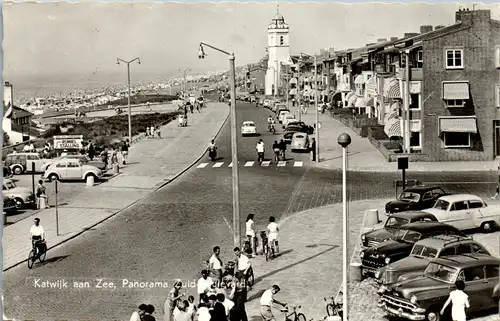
192	305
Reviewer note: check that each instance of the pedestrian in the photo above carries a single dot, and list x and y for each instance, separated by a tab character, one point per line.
266	303
243	263
192	307
152	130
250	233
293	102
147	131
276	150
459	302
181	312
41	193
203	312
228	304
32	147
260	151
313	149
26	148
218	312
216	266
273	230
91	151
137	315
204	284
172	299
158	131
125	147
148	315
104	156
239	297
282	145
191	107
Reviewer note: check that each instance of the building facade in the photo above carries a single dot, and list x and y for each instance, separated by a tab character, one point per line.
278	48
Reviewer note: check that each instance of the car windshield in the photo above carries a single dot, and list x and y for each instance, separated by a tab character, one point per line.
441	204
248	125
395	222
441	272
423	251
409	196
10	185
407	236
289	116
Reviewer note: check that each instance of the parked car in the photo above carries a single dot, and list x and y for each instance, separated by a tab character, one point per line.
9	204
22	162
266	103
282	114
23	196
302	126
71	169
84	158
280	107
415	198
300	141
425	251
391	226
465	212
252	99
401	244
287	118
423	297
248	128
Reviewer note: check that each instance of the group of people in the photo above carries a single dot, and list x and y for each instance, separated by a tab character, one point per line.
144	313
152	132
112	155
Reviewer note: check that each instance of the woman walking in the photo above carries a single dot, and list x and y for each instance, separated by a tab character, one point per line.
171	302
239	297
250	233
459	302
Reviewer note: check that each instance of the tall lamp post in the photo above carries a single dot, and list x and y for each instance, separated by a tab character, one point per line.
315	102
234	143
344	140
184	77
128	82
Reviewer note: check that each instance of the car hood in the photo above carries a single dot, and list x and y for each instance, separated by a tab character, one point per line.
389	247
19	190
417	285
398	204
380	234
409	264
435	211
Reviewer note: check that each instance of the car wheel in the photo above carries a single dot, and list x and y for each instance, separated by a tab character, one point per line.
18	170
53	177
433	315
19	203
90	175
488	227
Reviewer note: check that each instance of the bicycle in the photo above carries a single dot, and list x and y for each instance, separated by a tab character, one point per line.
297	316
265	245
38	246
334	308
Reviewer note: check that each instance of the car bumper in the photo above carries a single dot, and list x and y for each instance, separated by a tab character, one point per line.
400	313
248	133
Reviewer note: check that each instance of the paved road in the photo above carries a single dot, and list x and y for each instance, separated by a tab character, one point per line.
168	235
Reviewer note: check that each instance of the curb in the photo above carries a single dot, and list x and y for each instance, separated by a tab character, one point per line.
127	207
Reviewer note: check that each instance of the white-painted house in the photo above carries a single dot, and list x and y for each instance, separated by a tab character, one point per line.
16	123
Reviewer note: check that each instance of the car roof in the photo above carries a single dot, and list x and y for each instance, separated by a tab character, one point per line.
248	122
68	159
421	189
412	214
467	260
299	133
425	226
440	241
460	197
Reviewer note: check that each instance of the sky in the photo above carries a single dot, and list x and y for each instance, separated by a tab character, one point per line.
86	38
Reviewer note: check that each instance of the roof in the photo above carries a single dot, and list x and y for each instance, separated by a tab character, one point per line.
15	112
412	214
441	241
420	189
423	226
467	260
460	197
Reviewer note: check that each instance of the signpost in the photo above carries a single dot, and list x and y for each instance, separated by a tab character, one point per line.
57	210
403	166
68	142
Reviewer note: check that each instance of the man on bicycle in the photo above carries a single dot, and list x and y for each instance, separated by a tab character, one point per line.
243	264
282	146
273	230
266	303
37	235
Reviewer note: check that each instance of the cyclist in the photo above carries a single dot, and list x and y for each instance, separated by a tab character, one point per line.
276	150
260	151
37	234
273	230
266	302
282	147
243	265
250	233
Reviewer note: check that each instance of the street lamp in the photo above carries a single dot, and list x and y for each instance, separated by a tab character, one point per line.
315	102
128	81
234	146
344	140
184	78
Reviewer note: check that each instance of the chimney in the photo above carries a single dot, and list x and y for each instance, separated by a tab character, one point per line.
438	27
379	40
468	17
410	34
425	29
394	38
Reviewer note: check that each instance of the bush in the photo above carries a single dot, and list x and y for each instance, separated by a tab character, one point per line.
142	99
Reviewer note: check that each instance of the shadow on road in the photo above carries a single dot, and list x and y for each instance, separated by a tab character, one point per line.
53	259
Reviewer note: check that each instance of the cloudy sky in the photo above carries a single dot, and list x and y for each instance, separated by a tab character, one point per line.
61	38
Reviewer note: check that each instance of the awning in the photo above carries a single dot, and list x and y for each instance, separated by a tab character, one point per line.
351	101
349	95
393	91
293	81
359	80
455	90
369	102
391	112
458	125
293	91
371	86
336	97
393	128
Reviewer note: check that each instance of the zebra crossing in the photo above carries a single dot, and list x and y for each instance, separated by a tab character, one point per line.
252	164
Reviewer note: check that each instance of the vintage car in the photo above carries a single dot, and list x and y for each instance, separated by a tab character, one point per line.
9	204
300	141
423	297
248	128
401	244
415	198
23	162
392	224
286	119
71	169
466	212
266	103
84	158
303	128
282	114
281	107
23	196
425	251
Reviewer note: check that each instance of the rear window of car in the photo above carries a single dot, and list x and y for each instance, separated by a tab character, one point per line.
249	125
299	136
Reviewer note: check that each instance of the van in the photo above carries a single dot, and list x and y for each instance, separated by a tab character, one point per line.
20	163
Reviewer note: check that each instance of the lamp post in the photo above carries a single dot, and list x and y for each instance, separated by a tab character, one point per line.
344	140
234	143
315	102
184	78
128	82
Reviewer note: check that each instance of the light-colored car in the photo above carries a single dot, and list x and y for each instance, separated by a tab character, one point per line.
282	115
466	211
71	169
23	196
248	128
267	103
84	158
300	141
23	162
287	119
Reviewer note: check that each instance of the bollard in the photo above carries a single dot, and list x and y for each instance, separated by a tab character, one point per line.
116	168
90	180
42	203
355	271
371	218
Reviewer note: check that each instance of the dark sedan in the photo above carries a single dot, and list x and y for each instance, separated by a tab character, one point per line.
290	130
415	198
392	224
401	244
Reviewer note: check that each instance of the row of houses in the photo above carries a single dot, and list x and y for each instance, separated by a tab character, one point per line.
436	92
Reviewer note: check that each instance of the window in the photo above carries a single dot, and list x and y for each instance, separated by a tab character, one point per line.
414	101
438	192
427	196
491	271
281	40
475	204
473	273
463	249
478	249
448	251
497	94
32	157
497	56
415	140
420	59
450	103
459	206
61	165
454	140
454	59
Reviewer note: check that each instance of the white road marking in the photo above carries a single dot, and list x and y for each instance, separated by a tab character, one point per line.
249	164
202	165
219	164
231	164
281	163
298	164
265	163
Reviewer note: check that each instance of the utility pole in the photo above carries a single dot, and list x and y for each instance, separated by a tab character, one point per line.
128	99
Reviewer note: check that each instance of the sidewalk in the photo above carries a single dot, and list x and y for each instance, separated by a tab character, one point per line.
152	164
363	156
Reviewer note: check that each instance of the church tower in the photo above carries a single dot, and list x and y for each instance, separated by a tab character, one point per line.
278	48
